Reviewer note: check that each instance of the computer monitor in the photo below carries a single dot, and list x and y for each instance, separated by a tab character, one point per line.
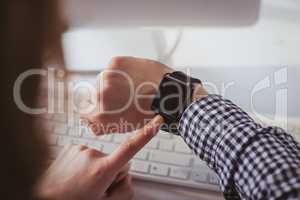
133	13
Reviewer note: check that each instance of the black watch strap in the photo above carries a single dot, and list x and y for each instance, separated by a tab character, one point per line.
173	96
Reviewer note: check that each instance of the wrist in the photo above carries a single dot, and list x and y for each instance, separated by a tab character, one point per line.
165	70
199	92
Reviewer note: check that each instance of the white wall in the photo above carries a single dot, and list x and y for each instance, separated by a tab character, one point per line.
274	40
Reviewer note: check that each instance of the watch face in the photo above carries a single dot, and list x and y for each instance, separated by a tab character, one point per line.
172	98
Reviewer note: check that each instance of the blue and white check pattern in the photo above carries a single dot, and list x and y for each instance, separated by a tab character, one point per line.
251	161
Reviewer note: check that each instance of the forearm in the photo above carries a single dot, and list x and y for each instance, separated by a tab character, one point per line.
250	160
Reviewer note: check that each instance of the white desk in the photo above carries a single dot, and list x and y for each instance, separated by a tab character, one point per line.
156	191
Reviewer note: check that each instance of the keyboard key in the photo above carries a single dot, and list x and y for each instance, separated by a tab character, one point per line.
62	141
201	165
140	166
83	130
180	173
201	176
171	158
166	145
106	138
165	135
109	148
213	179
95	145
60	129
74	131
181	147
120	138
77	141
75	118
153	144
142	155
88	134
60	117
160	170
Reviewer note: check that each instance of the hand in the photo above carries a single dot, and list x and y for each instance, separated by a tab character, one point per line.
117	105
83	173
121	190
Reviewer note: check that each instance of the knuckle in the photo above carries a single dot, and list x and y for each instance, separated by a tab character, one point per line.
95	127
91	153
102	78
96	171
103	95
81	147
100	167
105	165
129	146
101	123
99	117
107	76
117	61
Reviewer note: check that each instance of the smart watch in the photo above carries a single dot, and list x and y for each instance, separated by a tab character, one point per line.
174	95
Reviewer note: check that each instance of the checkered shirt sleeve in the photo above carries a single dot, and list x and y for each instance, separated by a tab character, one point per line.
251	161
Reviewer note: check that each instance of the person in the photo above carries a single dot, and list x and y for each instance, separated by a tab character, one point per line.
30	37
251	161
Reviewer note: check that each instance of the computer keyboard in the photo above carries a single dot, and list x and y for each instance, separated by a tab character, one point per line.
165	159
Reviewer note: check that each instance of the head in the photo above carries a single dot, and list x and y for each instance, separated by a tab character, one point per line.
30	30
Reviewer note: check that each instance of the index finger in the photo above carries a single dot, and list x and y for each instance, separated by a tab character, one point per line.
123	154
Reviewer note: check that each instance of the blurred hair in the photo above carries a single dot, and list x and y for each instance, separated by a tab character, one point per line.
30	29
